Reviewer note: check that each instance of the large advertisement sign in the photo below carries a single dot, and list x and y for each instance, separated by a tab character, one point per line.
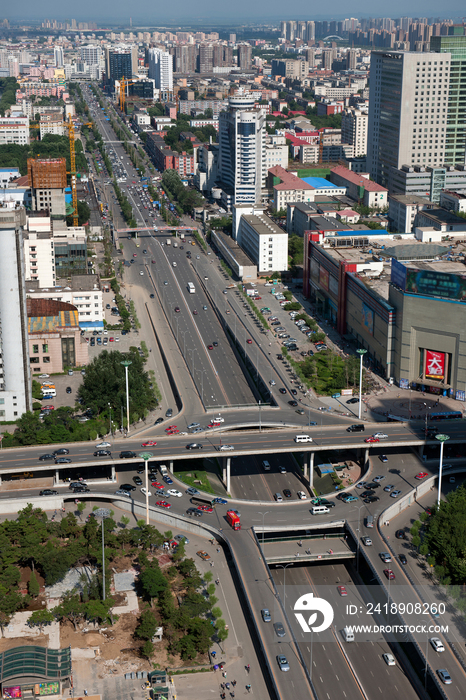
398	274
323	278
434	364
436	284
368	318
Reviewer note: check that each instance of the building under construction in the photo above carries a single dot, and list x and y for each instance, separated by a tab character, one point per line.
47	180
47	173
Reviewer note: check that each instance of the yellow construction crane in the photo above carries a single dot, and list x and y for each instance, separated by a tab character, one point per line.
74	190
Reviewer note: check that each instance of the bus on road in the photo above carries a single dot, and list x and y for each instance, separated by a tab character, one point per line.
191	288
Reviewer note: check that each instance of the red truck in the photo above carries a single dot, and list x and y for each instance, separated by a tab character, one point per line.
233	520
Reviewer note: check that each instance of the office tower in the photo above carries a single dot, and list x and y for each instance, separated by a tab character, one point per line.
455	145
120	62
242	131
206	58
310	31
185	58
228	56
161	70
245	56
90	54
351	59
15	377
232	38
58	56
407	114
354	130
327	59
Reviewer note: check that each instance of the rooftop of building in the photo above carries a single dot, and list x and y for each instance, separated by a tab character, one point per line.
444	216
47	315
288	181
409	199
263	225
320	183
237	252
358	179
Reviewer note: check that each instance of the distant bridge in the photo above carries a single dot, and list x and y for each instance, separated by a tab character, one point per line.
333	36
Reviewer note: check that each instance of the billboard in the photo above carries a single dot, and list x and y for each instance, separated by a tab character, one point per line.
434	364
436	284
368	318
398	274
323	278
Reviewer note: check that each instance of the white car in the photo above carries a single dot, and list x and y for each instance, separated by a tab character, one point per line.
437	644
389	659
143	490
218	419
381	436
272	382
102	445
225	448
141	272
174	492
44	376
301	495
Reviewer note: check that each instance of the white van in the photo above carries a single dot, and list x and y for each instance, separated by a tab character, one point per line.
319	510
49	392
369	521
265	466
348	634
303	438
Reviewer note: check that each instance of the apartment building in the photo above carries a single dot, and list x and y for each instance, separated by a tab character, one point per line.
14	130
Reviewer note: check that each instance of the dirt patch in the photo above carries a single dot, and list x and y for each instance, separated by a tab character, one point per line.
123	564
41	641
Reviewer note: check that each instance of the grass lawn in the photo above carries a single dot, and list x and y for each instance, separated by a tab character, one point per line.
314	172
197	478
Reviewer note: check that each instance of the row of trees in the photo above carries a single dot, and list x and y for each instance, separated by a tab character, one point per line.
125	206
186	197
8	87
51	146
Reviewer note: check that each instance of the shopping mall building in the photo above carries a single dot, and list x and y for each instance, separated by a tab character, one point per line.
400	297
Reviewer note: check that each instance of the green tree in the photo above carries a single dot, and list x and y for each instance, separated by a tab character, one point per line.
147	649
41	618
152	580
70	609
33	585
124	520
147	625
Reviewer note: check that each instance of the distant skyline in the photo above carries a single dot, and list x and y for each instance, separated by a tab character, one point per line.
242	11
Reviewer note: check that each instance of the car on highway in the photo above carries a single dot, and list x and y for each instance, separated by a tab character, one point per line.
102	453
249	341
388	488
371	439
177	309
48	492
437	644
266	616
361	485
324	502
301	495
203	555
194	512
444	676
400	535
378	479
381	436
149	443
386	557
61	451
158	421
191	426
152	296
366	494
402	558
181	538
226	448
192	491
389	574
195	312
350	499
103	445
119	492
205	508
172	432
350	401
287	493
174	492
371	499
194	446
157	485
219	501
421	475
167	479
342	591
282	390
128	487
366	541
383	458
63	460
44	458
127	454
389	659
137	480
395	494
81	489
279	629
210	347
293	403
283	662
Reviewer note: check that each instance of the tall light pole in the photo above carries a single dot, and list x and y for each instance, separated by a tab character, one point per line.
441	438
260	421
110	409
361	352
183	333
263	518
103	513
284	567
146	457
126	364
358	531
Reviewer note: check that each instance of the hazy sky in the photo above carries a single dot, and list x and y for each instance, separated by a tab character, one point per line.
146	12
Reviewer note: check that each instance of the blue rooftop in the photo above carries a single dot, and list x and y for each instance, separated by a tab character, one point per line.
9	170
320	183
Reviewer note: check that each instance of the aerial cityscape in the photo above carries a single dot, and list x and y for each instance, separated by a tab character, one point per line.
232	232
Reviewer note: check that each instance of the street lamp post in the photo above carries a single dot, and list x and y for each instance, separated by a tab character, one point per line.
284	567
441	438
146	457
183	333
263	518
260	421
126	364
103	513
358	531
110	409
361	352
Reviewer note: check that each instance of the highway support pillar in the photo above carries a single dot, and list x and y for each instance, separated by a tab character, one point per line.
113	473
311	471
421	452
57	477
170	466
366	460
226	472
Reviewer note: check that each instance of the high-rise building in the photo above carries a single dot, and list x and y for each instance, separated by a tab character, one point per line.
90	54
206	58
58	56
185	58
245	56
354	130
407	121
120	62
242	131
351	59
15	376
455	146
47	180
161	70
